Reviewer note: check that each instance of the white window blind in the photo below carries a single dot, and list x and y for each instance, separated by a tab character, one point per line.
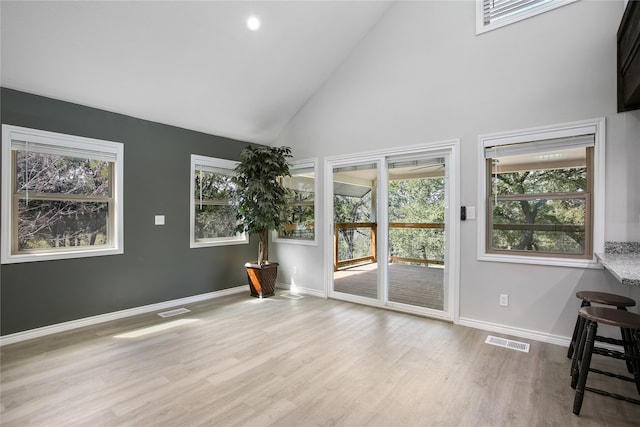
497	13
353	168
302	170
301	179
107	155
211	164
214	169
434	161
494	10
555	144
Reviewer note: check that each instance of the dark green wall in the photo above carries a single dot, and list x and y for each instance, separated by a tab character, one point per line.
157	264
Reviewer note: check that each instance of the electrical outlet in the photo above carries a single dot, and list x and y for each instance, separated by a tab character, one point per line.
295	270
504	300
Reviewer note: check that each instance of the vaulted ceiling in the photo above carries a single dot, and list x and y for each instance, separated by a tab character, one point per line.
189	64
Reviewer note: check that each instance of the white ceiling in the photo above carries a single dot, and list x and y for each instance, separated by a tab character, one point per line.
188	64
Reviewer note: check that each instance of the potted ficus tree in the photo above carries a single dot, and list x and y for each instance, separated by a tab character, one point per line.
260	200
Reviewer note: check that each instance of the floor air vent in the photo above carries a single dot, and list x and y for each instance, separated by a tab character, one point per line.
292	296
503	342
174	312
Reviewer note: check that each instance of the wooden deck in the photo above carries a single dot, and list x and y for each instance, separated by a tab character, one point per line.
408	284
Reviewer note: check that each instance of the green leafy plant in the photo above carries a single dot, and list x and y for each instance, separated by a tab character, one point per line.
259	196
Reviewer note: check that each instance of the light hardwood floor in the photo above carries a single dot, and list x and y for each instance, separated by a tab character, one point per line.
283	362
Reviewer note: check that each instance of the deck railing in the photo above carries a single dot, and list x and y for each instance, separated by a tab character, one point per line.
373	229
371	258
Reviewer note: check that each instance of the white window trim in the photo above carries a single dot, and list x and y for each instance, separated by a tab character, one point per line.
241	238
519	16
596	126
310	163
9	133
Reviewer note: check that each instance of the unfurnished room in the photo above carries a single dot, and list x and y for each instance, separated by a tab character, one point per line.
320	213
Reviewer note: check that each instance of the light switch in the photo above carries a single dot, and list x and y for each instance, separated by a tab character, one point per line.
159	219
471	212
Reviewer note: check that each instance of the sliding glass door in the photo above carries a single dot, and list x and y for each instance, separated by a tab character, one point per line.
391	222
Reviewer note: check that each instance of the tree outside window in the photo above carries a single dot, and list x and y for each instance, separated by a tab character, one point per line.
213	219
417	201
353	242
300	215
540	210
61	201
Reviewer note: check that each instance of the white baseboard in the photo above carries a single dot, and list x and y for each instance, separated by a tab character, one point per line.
94	320
516	332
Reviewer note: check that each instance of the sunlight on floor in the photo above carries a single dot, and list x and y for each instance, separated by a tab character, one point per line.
156	328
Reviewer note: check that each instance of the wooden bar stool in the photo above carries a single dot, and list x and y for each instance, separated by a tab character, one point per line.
589	297
629	323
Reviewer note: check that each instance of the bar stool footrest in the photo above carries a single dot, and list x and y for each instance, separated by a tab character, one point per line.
609	340
612	353
612	375
613	395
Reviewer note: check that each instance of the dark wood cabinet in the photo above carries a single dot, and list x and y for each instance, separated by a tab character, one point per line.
629	58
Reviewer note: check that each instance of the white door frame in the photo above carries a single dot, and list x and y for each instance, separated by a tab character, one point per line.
452	149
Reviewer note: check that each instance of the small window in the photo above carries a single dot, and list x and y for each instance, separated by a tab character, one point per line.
213	218
492	14
62	196
540	194
302	204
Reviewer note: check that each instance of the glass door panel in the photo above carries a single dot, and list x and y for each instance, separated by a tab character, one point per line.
417	197
355	230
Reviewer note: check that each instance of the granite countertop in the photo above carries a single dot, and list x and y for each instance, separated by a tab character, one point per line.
623	261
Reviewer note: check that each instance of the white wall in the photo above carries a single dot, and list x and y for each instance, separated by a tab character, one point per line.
423	75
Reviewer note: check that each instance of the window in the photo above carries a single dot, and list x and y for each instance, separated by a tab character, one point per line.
492	14
61	196
542	194
213	218
302	212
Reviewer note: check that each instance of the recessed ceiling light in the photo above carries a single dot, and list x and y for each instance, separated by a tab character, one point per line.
253	23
